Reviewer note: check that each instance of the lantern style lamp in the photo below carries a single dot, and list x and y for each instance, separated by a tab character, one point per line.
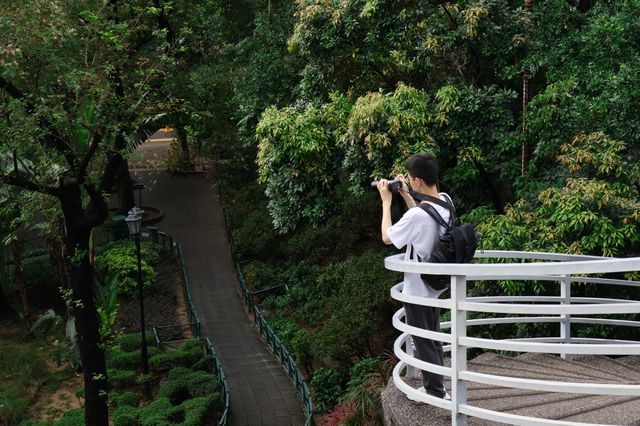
134	222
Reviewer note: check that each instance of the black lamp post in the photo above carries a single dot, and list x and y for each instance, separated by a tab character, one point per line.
134	220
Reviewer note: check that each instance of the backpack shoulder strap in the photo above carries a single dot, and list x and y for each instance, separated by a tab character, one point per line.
447	204
453	219
435	215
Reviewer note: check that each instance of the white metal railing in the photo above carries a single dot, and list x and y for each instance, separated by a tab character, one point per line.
564	269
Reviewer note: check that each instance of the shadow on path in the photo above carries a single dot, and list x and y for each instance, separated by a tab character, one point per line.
260	392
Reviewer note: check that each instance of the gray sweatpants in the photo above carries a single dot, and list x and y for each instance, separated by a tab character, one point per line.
430	351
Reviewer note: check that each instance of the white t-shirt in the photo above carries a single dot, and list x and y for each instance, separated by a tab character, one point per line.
418	228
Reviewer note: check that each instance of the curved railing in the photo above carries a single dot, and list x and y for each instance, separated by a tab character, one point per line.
560	268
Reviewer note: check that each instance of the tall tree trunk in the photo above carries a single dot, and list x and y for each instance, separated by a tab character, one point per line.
21	280
5	306
182	139
56	253
124	187
94	370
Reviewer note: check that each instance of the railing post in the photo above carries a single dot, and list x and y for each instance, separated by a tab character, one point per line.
458	353
565	319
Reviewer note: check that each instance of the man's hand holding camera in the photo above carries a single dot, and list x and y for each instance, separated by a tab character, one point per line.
399	185
386	188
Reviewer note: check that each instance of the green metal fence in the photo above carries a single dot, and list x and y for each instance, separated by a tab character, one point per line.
168	243
279	350
288	363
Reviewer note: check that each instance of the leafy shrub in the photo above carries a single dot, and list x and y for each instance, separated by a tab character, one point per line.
147	379
128	360
259	275
254	237
131	342
171	358
360	372
311	243
188	385
285	329
178	372
125	415
203	364
359	309
31	422
301	345
201	408
177	162
192	412
161	412
22	372
121	378
303	297
150	252
123	262
12	405
328	386
73	417
42	281
190	344
365	389
126	399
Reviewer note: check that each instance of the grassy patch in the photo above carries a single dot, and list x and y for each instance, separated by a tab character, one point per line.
27	373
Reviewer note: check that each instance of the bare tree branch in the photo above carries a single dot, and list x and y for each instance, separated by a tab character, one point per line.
453	20
96	212
93	147
53	137
20	181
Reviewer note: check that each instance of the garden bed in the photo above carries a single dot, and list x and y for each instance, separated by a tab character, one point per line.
164	303
53	389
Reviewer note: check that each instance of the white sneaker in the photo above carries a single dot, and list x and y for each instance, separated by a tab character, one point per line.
421	389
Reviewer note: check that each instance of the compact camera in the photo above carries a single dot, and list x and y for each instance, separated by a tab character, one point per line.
395	185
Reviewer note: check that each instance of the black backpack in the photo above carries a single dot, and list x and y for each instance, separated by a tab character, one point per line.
457	245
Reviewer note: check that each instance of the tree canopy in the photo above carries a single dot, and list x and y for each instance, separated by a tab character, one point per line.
530	107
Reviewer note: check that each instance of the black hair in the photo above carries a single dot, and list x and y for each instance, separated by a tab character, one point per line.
423	166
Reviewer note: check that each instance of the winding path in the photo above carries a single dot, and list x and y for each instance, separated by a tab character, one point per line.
260	392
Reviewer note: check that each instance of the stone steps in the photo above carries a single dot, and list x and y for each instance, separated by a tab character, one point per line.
618	410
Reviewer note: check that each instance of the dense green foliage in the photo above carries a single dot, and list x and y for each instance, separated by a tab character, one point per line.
306	101
372	82
187	395
21	375
42	282
121	260
81	83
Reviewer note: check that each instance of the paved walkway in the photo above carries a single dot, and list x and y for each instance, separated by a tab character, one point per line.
260	391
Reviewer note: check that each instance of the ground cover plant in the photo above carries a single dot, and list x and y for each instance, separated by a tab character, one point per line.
39	386
31	381
119	259
183	391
